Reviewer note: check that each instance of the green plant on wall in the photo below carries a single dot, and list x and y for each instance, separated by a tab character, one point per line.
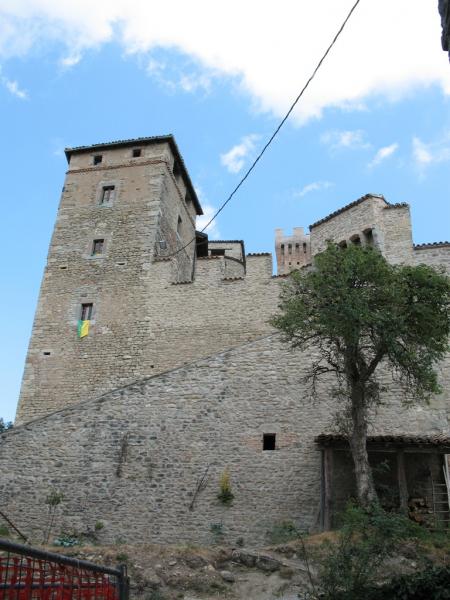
52	501
225	494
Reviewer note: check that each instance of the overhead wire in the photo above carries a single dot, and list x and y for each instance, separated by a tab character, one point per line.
275	133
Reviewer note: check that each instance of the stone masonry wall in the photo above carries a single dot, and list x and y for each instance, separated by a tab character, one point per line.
132	458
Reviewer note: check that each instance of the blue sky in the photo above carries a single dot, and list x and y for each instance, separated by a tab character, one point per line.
218	76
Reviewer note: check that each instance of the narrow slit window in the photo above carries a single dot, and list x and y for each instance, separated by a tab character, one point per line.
282	248
269	441
86	311
97	159
137	152
97	247
304	247
107	194
289	248
179	225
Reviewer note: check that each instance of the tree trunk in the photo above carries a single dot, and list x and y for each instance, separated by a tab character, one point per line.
358	445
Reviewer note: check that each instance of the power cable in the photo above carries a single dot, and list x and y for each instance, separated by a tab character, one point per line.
275	133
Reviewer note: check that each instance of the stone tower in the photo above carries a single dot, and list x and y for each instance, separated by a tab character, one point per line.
292	251
123	204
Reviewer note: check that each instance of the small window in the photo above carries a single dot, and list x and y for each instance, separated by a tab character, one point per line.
86	312
137	152
289	248
107	196
98	159
368	237
282	248
304	247
97	247
269	441
217	252
297	246
180	221
46	353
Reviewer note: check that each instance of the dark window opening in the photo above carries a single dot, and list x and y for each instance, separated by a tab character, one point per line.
46	353
297	246
342	244
282	248
269	441
304	247
290	248
98	159
137	152
179	225
107	194
97	247
368	236
176	170
356	240
86	311
217	252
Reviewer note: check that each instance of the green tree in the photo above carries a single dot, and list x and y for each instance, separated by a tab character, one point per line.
355	312
5	425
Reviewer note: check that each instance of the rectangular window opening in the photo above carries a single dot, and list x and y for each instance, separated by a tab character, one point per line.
269	441
86	311
107	194
97	159
46	353
217	252
97	247
137	152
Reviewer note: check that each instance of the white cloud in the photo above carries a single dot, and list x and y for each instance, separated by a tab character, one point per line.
270	61
315	186
382	154
70	60
234	159
13	88
208	212
434	152
353	140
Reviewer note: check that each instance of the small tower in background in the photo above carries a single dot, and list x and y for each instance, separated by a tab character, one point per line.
292	251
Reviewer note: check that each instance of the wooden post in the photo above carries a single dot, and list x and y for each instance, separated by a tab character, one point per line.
402	483
327	488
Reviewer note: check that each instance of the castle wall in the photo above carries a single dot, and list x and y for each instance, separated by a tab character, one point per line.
132	459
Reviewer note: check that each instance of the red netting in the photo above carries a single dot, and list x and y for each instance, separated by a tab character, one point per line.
26	578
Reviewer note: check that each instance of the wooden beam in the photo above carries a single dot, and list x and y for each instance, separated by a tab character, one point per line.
402	482
328	488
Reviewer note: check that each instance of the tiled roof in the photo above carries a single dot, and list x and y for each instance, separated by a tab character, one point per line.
437	440
154	139
346	207
397	205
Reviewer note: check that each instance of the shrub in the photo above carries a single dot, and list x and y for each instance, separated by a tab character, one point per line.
365	540
282	532
225	495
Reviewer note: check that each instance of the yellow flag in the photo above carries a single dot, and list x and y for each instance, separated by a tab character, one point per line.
83	328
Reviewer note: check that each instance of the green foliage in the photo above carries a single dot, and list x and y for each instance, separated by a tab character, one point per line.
355	303
225	495
54	498
99	526
122	557
283	532
67	539
217	531
4	531
365	540
430	584
5	425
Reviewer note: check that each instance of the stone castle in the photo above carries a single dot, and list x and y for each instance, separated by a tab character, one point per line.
180	375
